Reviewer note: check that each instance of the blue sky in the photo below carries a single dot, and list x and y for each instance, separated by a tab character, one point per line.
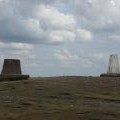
60	37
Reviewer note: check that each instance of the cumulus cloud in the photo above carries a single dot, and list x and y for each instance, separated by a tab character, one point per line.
46	24
60	27
65	55
84	35
15	50
51	18
84	59
62	36
98	14
15	27
91	26
18	46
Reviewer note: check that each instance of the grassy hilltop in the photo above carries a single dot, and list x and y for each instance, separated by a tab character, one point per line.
60	98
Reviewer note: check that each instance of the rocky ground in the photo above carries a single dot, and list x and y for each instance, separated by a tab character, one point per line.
60	98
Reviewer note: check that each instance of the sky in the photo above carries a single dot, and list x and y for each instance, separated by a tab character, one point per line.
60	37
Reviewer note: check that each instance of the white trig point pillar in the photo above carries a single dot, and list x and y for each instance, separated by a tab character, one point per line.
113	66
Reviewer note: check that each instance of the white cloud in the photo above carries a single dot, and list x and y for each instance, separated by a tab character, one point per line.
51	18
65	55
84	35
62	36
25	23
59	27
15	50
17	27
45	25
99	13
86	63
85	60
19	46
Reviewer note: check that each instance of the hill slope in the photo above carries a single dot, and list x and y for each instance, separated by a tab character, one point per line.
60	98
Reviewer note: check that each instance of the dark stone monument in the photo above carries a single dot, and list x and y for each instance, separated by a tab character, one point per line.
11	66
12	70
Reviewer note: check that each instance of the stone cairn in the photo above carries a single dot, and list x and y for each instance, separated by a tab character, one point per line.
113	67
12	70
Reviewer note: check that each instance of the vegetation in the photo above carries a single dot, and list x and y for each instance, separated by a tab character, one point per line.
60	98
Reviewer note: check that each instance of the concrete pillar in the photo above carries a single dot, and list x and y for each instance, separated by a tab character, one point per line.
113	66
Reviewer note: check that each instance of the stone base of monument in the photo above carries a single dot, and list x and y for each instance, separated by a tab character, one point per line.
13	77
110	75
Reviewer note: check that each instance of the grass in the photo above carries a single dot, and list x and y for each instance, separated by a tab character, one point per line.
60	98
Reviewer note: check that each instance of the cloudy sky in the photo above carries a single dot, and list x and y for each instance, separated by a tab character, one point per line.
60	37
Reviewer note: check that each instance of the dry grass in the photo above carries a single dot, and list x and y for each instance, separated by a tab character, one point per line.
61	98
